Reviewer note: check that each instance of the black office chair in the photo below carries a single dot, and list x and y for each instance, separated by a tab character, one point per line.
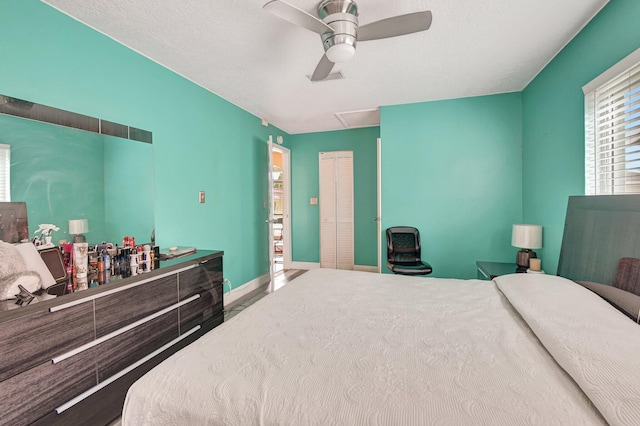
403	252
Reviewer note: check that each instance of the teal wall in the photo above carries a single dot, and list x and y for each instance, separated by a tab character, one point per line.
305	232
553	119
201	142
453	169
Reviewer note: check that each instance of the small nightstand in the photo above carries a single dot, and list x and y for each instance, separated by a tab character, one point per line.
490	270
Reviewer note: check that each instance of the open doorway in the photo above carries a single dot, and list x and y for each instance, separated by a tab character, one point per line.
281	224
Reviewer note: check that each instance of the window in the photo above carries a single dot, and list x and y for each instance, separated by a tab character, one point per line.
5	162
612	130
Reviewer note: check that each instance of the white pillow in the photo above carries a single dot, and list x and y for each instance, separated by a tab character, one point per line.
34	262
9	285
11	262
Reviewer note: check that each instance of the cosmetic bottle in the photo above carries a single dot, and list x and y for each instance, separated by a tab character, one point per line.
133	262
128	241
125	269
100	263
152	256
69	269
140	253
156	257
115	265
69	288
147	258
107	260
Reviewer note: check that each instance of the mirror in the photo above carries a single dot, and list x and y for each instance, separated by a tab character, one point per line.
65	173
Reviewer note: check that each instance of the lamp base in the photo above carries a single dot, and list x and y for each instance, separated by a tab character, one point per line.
522	259
79	238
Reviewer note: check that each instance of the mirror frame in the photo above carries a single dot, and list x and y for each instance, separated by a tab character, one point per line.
22	109
46	114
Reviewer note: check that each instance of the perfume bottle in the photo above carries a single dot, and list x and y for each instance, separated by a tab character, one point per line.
69	288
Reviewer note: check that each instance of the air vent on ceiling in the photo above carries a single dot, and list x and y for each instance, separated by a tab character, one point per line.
364	118
333	76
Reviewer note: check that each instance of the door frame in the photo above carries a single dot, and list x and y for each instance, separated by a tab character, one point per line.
378	218
269	206
286	194
286	208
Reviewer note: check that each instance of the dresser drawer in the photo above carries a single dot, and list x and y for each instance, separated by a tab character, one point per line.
124	307
118	353
38	337
34	393
206	307
204	277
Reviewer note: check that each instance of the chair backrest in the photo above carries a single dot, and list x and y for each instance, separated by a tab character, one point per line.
403	244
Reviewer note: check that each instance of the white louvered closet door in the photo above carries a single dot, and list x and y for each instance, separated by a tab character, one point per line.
336	210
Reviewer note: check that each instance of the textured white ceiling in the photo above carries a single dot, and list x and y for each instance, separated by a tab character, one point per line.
261	63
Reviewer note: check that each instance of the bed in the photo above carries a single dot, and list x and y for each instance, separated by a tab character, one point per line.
345	347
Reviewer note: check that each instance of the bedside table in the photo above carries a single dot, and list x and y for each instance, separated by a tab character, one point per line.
490	270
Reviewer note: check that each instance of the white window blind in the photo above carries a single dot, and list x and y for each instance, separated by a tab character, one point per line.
5	162
612	135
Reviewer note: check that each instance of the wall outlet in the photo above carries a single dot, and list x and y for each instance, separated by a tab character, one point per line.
313	201
201	197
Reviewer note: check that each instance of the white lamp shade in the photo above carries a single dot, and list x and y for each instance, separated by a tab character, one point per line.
78	226
527	236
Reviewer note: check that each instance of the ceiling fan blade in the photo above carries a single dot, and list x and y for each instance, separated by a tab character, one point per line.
296	16
323	69
396	26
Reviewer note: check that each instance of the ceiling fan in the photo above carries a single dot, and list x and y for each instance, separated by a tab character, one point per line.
339	30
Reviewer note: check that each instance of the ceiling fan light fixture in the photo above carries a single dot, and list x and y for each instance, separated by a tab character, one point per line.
340	30
340	52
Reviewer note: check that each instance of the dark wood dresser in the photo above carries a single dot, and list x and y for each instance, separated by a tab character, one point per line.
70	360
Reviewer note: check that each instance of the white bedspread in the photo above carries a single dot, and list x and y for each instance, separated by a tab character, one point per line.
597	345
350	348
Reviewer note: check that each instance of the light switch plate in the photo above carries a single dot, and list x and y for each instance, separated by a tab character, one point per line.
313	201
201	197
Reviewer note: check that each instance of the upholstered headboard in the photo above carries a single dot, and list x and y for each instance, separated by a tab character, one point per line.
598	232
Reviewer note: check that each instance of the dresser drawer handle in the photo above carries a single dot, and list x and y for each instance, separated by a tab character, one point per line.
119	289
121	330
116	376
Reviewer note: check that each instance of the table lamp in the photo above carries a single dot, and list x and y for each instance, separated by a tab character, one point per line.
77	227
526	237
